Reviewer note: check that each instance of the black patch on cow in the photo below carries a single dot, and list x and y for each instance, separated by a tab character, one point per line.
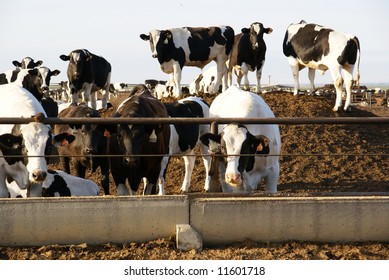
308	44
12	148
57	186
167	52
187	133
350	52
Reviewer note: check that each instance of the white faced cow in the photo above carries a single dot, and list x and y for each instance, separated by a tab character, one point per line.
88	73
248	54
317	47
27	63
187	46
262	143
17	102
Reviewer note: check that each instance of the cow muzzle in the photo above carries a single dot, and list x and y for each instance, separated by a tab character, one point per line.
130	161
234	179
38	175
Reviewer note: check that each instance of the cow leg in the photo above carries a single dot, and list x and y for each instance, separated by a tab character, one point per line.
272	180
189	165
245	71
348	82
119	178
259	77
86	96
105	178
80	169
65	162
176	79
207	164
221	72
161	179
239	76
4	193
311	77
338	83
295	71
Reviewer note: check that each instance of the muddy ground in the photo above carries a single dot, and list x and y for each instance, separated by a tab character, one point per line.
317	160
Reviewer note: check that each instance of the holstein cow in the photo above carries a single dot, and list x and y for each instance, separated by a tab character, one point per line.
188	46
317	47
245	173
185	137
59	183
204	82
89	140
87	74
248	54
36	81
17	102
12	163
132	140
27	63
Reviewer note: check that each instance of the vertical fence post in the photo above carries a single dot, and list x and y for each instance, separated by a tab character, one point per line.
214	184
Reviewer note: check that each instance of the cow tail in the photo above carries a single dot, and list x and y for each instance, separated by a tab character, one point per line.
357	75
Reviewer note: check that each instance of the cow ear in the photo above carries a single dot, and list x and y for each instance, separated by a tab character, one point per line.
168	37
207	137
245	30
144	37
64	57
16	63
63	139
268	30
38	63
55	72
261	144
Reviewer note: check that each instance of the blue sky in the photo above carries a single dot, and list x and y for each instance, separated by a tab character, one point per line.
45	29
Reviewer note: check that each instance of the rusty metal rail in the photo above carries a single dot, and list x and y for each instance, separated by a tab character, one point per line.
289	121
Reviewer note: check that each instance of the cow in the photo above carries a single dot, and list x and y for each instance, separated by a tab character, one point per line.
185	137
87	74
65	91
89	140
27	63
59	183
248	54
12	163
152	83
178	47
262	143
318	47
132	140
17	102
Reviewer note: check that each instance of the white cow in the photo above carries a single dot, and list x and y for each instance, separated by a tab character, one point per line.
17	102
244	174
204	82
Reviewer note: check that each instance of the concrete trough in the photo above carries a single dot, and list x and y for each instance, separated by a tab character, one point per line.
317	219
44	221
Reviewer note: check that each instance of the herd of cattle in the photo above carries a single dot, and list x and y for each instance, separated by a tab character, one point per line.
249	152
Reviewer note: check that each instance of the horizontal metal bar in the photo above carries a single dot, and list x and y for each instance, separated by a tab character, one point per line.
289	121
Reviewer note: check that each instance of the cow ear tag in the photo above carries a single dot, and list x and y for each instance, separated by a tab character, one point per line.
153	137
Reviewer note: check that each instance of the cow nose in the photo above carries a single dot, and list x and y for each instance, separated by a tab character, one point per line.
233	179
39	175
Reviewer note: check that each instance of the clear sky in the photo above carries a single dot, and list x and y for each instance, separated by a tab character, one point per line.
45	29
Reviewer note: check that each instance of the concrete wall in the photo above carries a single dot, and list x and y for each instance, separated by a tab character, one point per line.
219	220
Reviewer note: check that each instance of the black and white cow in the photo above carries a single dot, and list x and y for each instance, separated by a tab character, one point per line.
27	63
245	173
59	183
185	137
12	163
132	140
317	47
248	54
87	74
89	141
188	46
17	102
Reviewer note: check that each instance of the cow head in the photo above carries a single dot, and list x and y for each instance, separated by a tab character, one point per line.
233	142
158	40
256	32
27	63
12	148
77	60
46	75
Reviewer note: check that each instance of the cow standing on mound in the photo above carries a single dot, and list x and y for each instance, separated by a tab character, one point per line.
87	74
248	54
188	46
317	47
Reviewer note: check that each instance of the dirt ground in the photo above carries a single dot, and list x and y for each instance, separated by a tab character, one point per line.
317	160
